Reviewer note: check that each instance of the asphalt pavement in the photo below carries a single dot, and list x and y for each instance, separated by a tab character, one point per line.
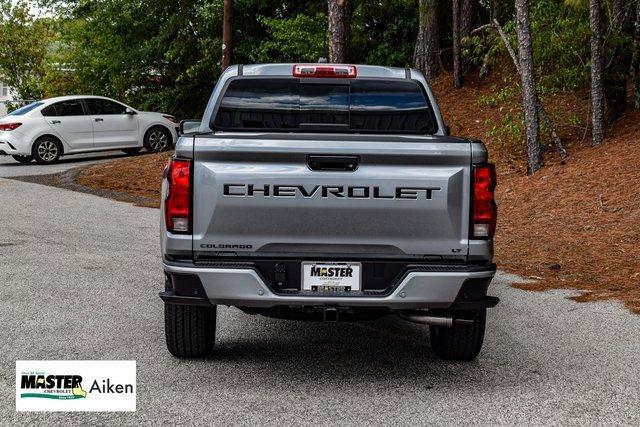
10	168
80	276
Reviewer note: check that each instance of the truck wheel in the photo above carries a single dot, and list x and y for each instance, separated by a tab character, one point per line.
459	342
189	330
23	159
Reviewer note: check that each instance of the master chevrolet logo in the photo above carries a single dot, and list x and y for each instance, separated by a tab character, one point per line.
52	386
331	272
326	191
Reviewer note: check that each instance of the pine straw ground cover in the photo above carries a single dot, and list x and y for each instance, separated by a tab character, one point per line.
575	224
140	175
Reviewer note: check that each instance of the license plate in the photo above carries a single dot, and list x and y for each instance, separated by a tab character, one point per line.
331	276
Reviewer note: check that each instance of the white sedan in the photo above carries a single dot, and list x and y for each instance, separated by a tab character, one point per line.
45	130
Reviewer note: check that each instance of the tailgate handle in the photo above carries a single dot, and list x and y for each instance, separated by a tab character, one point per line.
333	163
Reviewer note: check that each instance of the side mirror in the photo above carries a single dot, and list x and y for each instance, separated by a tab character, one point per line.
447	130
130	112
190	126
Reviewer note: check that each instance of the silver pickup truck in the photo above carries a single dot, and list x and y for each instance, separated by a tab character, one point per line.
327	192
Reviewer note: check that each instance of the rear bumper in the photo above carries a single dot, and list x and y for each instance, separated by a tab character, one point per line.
14	143
245	287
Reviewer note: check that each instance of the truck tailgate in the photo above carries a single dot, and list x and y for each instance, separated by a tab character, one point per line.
260	194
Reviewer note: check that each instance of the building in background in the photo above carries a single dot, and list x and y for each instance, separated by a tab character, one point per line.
5	96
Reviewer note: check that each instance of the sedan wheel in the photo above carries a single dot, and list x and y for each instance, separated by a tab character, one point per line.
46	151
157	139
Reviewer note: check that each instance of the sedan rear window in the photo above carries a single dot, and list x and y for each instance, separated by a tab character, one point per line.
317	105
64	108
24	110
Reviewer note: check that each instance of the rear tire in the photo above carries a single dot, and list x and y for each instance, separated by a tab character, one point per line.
46	150
460	342
23	159
157	139
190	331
132	151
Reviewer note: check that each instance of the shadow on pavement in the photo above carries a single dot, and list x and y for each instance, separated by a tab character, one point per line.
389	349
68	160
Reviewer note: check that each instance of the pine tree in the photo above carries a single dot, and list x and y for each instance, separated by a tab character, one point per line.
338	30
227	34
425	55
457	49
597	78
635	59
529	93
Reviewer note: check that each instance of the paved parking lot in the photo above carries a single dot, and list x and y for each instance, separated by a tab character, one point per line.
80	277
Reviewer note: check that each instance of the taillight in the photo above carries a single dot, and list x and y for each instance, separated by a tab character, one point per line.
9	126
177	203
336	71
170	118
484	209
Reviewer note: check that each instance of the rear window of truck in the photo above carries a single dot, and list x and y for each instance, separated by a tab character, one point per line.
318	105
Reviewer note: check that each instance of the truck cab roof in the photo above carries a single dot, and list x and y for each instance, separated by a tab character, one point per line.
363	71
322	73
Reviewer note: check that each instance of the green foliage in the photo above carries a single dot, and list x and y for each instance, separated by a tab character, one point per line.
503	95
300	38
157	55
24	44
561	47
574	120
561	44
508	131
259	37
383	32
165	55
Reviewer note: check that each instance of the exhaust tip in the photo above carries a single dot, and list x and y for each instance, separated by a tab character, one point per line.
446	321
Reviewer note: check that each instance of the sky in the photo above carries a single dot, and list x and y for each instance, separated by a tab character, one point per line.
37	10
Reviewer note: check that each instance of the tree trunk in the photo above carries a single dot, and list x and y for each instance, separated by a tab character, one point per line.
227	35
597	79
540	107
338	30
425	55
495	10
457	54
529	94
635	59
618	14
467	16
615	76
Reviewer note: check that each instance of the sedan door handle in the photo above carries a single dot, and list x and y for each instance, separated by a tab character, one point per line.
54	122
98	120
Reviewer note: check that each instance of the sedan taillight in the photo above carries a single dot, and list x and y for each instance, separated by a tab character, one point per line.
9	126
177	203
484	211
